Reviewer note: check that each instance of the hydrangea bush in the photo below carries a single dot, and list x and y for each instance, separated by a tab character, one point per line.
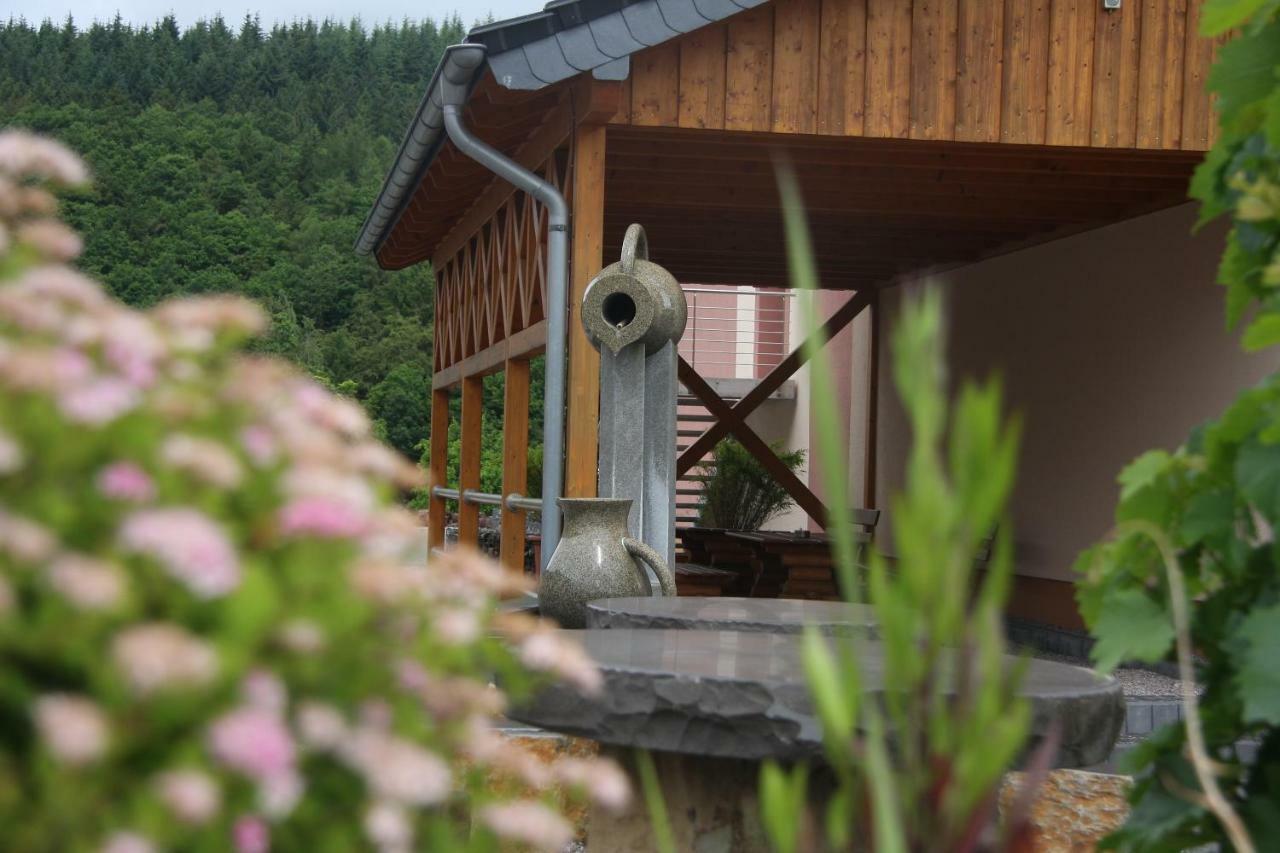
218	630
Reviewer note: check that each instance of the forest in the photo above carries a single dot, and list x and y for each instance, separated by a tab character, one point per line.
244	159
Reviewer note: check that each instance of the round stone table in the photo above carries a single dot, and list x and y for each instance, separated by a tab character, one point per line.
711	613
714	704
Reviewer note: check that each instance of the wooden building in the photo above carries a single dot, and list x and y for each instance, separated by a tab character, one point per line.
927	135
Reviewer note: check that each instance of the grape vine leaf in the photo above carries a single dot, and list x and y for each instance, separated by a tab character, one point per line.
1244	73
1258	476
1130	626
1218	16
1257	643
1142	472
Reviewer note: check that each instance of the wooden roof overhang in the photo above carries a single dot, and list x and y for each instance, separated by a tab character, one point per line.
924	134
878	208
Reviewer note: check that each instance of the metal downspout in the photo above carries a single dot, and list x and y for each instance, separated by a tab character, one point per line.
462	64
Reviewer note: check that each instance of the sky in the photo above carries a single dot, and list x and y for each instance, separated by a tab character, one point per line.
270	11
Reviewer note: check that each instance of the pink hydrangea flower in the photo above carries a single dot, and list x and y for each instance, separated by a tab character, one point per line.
205	459
261	689
190	546
51	238
158	656
397	770
321	726
127	842
250	835
73	728
87	583
191	795
278	795
456	626
11	455
126	481
133	347
259	444
528	822
25	540
254	742
601	778
321	517
388	827
302	636
99	402
24	153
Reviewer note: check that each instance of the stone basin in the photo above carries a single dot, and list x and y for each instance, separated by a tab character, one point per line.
723	613
742	695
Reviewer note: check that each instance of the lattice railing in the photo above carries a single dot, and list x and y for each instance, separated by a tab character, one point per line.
495	286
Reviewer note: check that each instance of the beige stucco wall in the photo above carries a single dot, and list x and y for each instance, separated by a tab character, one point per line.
1110	342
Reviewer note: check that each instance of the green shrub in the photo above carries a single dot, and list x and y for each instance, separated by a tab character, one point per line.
740	493
1193	563
217	628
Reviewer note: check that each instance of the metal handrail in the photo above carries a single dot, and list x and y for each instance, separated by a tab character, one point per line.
786	293
514	502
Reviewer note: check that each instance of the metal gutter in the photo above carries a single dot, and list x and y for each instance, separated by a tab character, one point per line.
465	62
421	143
567	38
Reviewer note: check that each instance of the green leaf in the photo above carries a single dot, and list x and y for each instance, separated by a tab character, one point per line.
824	683
1271	123
1262	332
1244	72
1208	514
1130	626
1218	16
1257	644
1258	476
1142	472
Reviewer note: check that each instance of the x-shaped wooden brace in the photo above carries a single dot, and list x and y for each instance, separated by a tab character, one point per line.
732	419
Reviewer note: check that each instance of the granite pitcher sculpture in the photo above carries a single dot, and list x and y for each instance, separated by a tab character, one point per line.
597	558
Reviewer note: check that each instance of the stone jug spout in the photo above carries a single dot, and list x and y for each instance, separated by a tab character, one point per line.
634	300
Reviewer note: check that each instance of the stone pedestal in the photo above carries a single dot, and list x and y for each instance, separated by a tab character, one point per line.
713	806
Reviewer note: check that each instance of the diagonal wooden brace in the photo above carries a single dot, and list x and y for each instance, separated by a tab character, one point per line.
693	454
757	446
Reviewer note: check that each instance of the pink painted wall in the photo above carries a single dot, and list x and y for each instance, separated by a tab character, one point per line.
1110	343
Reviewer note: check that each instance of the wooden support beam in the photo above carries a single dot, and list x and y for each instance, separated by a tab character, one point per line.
523	344
758	448
469	458
439	464
515	459
584	362
873	402
785	369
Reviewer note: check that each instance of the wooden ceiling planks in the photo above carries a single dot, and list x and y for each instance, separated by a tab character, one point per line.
1036	72
878	209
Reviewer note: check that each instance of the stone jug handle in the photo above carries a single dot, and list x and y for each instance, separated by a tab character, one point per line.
635	246
641	551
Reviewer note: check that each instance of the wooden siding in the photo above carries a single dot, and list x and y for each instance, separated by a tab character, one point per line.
1040	72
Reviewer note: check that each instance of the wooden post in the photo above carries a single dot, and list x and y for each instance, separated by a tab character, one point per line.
469	458
439	465
873	403
584	362
515	459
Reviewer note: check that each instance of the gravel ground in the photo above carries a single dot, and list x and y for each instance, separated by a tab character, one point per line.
1135	682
